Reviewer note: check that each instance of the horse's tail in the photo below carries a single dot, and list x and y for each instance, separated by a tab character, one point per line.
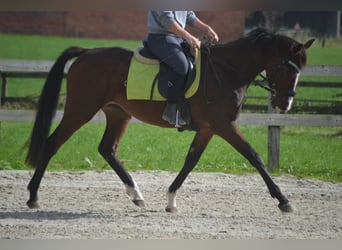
47	105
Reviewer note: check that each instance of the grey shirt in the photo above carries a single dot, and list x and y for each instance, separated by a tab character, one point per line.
159	22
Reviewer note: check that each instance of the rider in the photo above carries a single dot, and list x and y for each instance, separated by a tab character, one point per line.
166	32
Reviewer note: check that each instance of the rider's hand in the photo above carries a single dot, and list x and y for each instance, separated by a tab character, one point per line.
212	34
193	41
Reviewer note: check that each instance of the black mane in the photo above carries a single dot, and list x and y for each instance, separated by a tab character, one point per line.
257	35
261	34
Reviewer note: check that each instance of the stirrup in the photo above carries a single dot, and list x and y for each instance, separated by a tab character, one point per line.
172	115
178	118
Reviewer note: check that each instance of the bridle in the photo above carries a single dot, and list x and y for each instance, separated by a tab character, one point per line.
272	86
265	83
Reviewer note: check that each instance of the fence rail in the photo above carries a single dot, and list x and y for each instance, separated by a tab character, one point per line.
22	67
39	69
244	119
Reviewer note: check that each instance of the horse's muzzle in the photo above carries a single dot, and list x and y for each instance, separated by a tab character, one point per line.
284	103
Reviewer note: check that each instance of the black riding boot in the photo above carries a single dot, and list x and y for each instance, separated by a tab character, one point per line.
171	113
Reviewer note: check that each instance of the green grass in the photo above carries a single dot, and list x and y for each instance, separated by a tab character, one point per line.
329	56
47	48
50	47
313	152
303	97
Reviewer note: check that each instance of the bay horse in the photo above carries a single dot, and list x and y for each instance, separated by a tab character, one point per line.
97	81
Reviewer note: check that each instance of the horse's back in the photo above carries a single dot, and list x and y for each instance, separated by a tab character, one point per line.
99	63
102	57
96	75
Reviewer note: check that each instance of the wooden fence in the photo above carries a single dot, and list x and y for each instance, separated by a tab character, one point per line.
39	69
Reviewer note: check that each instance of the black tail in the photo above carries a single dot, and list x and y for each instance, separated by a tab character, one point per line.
47	105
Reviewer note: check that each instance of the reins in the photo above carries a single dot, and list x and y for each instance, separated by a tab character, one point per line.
261	85
209	63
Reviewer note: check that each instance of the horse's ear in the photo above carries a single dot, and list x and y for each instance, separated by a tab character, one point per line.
309	43
297	48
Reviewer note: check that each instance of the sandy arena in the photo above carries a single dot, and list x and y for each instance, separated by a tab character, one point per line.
92	205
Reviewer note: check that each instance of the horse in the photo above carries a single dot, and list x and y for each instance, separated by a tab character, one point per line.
96	81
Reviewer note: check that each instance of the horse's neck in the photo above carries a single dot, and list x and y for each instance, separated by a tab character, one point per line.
246	60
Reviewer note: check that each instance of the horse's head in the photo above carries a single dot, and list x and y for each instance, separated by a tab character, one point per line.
283	70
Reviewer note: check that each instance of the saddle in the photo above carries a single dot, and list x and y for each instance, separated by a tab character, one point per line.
147	76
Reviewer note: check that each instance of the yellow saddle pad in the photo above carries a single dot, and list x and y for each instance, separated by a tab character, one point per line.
140	81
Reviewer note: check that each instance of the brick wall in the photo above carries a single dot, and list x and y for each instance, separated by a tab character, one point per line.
47	23
115	24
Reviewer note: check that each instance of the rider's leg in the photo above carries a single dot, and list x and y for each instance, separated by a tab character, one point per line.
169	50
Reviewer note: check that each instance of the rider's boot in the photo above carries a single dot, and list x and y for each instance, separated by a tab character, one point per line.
171	113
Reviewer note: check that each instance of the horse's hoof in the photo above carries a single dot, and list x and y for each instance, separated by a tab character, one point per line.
32	204
139	203
171	209
286	207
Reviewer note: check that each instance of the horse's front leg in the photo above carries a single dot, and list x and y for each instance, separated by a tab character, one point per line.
233	136
197	147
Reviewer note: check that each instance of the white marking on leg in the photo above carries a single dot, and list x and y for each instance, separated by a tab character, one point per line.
134	192
171	200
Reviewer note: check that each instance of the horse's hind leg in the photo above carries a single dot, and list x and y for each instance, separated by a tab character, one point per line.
117	122
69	124
34	184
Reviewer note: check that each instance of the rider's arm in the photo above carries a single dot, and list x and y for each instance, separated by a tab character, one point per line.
206	28
179	31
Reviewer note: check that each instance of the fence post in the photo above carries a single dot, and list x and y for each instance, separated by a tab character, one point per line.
2	92
3	88
273	142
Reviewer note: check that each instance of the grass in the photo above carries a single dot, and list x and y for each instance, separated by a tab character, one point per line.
313	152
327	56
50	47
47	48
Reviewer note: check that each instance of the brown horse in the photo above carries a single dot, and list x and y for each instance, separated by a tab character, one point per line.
97	80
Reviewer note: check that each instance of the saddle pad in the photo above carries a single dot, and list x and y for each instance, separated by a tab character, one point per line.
140	81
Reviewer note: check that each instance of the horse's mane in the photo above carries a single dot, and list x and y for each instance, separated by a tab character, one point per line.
266	40
260	36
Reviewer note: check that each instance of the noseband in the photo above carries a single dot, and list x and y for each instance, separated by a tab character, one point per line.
272	86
